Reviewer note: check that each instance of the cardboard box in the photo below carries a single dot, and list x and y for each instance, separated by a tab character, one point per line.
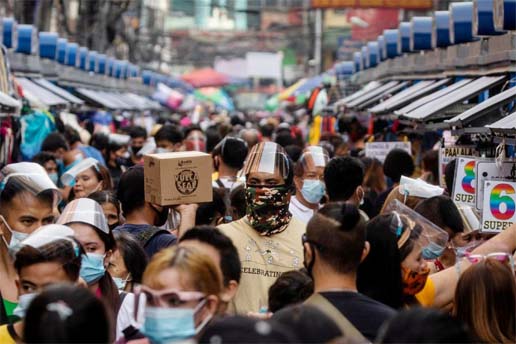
178	178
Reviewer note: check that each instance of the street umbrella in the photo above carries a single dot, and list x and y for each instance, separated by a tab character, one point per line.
216	96
272	103
206	77
289	91
168	96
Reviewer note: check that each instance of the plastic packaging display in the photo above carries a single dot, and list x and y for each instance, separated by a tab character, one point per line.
267	157
84	210
68	178
418	188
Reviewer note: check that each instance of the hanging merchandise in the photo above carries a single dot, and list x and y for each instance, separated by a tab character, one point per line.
34	129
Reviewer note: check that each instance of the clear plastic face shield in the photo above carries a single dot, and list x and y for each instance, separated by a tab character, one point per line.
68	178
119	139
29	176
266	165
418	188
84	210
195	141
313	160
431	239
49	239
149	147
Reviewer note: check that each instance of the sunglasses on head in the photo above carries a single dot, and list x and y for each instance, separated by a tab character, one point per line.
502	257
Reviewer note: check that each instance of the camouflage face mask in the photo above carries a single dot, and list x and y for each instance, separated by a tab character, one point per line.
267	209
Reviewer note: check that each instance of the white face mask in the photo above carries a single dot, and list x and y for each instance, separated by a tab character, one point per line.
23	304
16	237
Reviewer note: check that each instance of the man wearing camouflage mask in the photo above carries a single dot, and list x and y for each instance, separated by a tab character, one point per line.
268	238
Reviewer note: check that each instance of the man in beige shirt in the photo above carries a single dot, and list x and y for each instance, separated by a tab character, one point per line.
268	238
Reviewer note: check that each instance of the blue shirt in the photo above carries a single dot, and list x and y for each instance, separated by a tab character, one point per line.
155	244
92	152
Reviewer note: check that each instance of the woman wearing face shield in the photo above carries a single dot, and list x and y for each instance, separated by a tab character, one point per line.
86	177
181	288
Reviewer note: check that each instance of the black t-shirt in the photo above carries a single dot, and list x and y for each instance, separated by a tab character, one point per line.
366	314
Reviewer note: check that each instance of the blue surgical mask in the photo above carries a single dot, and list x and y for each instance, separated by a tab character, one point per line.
166	325
120	282
313	190
23	304
16	237
92	267
432	251
54	177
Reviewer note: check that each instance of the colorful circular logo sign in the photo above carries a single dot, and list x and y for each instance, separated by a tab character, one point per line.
187	182
502	207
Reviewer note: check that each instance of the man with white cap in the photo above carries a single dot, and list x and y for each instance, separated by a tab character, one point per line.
27	200
268	238
309	182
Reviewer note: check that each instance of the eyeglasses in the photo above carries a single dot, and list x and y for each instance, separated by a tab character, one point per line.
502	257
169	297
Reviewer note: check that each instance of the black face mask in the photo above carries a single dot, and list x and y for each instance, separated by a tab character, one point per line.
309	266
135	149
162	216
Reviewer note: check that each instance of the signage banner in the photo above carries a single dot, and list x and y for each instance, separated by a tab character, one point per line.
464	182
499	205
407	4
447	154
487	170
379	150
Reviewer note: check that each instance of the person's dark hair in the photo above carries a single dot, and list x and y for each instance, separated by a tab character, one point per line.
431	164
71	135
229	259
342	176
284	139
104	196
14	188
310	324
232	151
337	233
67	314
423	325
61	251
43	157
485	300
267	130
100	141
170	133
191	128
290	288
237	199
131	190
379	274
53	142
134	256
443	212
398	163
210	211
137	131
294	152
241	329
449	175
213	138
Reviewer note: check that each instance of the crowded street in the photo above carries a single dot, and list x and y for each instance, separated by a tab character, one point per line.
257	171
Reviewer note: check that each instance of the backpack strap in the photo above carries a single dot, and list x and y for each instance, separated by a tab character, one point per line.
145	236
346	327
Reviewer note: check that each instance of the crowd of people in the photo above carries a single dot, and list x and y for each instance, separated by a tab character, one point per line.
300	244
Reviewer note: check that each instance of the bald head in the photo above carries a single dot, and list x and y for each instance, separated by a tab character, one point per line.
250	136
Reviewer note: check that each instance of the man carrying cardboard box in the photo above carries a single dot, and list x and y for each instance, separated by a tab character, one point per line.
268	238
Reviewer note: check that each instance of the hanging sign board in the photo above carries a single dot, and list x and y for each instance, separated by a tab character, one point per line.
379	150
499	205
464	183
487	170
447	154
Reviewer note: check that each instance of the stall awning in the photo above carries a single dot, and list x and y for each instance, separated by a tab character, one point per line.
97	98
369	87
431	97
142	102
484	108
58	90
117	99
506	123
470	90
8	102
41	94
373	93
407	95
382	95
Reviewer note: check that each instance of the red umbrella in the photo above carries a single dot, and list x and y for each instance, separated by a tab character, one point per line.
205	77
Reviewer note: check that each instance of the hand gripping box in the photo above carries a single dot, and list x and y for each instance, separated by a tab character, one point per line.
178	178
